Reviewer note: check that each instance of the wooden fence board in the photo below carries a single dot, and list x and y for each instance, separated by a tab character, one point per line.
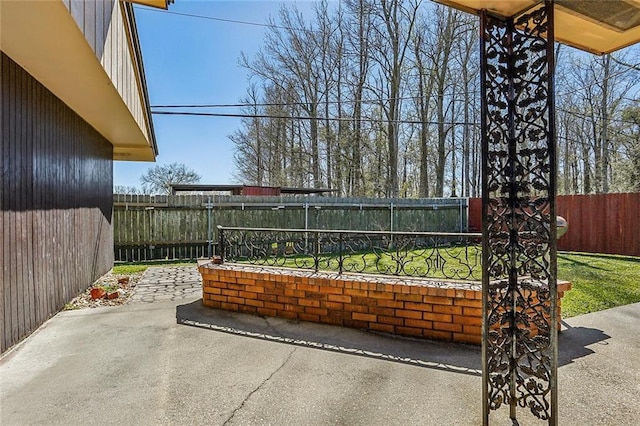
601	223
176	226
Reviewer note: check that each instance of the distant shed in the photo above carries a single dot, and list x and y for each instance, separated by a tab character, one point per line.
249	189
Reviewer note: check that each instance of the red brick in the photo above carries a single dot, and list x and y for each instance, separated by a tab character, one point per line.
409	314
437	334
436	300
459	319
267	312
287	299
255	288
355	292
307	287
248	295
229	306
233	293
218	298
437	291
363	301
315	311
390	320
409	297
332	305
473	295
293	293
339	298
294	308
211	290
315	296
212	304
381	294
339	314
391	303
276	291
245	281
267	297
467	338
443	309
437	317
355	308
418	323
471	329
447	326
472	312
306	302
409	331
472	303
256	303
331	290
237	300
385	328
247	309
331	320
276	306
425	307
364	317
288	314
236	286
382	311
309	317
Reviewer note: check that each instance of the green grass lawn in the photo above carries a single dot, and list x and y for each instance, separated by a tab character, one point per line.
136	267
598	282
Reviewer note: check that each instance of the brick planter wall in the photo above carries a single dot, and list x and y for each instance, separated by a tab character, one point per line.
432	309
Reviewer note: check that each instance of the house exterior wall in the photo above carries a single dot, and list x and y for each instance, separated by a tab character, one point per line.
108	30
55	204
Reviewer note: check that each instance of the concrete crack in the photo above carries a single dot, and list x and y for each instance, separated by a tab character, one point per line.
260	386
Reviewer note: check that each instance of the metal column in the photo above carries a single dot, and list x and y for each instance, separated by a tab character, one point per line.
519	348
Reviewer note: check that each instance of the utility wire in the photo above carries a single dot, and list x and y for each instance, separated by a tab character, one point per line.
230	21
290	117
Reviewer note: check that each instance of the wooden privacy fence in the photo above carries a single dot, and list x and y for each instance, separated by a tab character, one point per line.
601	223
598	223
184	226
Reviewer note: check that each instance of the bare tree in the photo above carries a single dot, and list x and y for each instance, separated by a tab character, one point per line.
158	179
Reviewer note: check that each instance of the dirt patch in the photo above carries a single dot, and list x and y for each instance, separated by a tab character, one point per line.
118	289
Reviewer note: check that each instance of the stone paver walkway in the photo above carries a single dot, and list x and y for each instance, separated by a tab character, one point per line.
168	283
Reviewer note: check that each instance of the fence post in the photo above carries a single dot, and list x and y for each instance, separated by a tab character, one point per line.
209	227
316	251
340	260
221	243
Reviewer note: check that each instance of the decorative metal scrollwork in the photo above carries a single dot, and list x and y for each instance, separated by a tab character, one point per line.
519	252
452	256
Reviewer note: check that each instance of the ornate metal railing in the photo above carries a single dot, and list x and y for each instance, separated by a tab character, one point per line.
416	254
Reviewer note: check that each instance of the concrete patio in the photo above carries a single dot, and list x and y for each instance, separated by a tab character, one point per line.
157	361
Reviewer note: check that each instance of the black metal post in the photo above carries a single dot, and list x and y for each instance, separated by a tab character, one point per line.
316	251
519	348
221	243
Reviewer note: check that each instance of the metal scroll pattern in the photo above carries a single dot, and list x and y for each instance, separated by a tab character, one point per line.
417	254
519	355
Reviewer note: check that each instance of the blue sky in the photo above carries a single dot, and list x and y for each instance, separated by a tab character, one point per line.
191	61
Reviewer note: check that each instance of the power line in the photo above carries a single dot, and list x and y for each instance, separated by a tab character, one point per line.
290	117
230	21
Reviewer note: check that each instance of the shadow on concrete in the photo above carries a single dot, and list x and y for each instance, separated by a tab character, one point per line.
573	342
452	357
